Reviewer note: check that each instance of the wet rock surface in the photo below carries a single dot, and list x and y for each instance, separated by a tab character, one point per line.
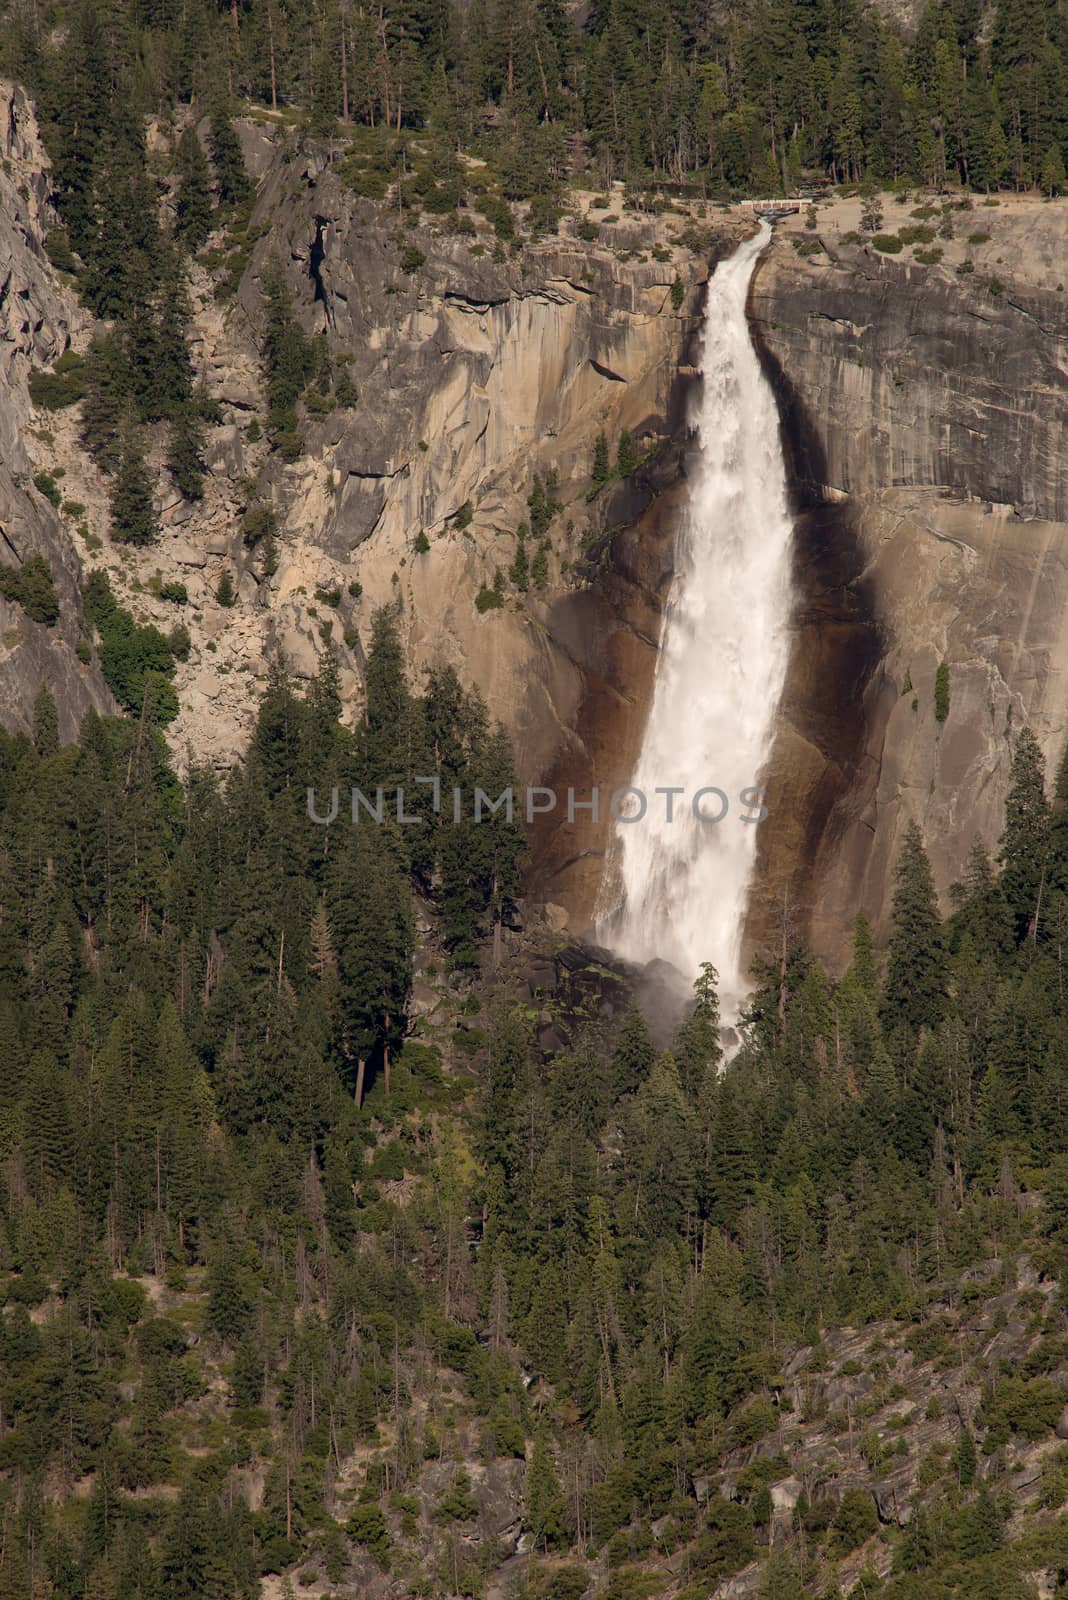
926	424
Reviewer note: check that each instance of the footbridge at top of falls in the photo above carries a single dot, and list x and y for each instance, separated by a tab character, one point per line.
772	210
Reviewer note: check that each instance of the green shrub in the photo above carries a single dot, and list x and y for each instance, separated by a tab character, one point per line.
289	443
180	641
941	692
59	252
855	1520
33	588
328	597
422	543
457	1504
727	1543
346	393
367	1526
176	593
499	214
587	230
628	1583
137	662
1029	1407
678	293
317	404
45	484
754	1422
560	1583
63	386
259	522
411	259
888	244
508	1434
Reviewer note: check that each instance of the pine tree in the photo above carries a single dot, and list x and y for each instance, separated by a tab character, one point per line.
225	593
660	1148
227	159
918	1548
371	915
49	1137
539	567
982	915
109	386
633	1055
193	199
1053	178
247	1381
81	116
45	724
862	967
602	470
1057	872
133	510
165	373
965	1460
36	590
697	1047
915	988
871	210
519	571
390	718
544	1511
627	456
185	461
982	1528
1024	841
229	1310
997	154
289	358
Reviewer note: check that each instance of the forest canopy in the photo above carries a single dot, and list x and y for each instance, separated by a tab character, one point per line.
745	98
369	1239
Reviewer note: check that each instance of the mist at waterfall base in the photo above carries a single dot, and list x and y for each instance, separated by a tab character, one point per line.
678	891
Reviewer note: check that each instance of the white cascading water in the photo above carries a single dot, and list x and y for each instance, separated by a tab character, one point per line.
681	887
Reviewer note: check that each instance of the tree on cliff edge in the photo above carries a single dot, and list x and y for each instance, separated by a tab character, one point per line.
1025	841
915	976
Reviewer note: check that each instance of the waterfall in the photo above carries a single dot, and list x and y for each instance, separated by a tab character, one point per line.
681	886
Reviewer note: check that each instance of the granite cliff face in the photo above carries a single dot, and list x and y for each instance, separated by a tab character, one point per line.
474	374
475	368
36	320
924	415
924	410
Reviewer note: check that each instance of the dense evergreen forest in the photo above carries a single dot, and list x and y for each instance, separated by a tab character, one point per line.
277	1234
373	1232
738	97
404	95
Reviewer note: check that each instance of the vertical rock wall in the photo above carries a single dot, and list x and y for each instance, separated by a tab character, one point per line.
926	415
